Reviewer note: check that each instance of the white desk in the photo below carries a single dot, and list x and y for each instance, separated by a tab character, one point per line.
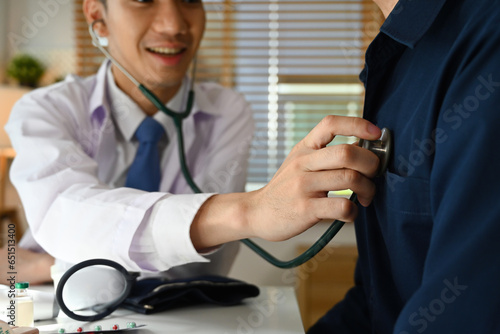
274	311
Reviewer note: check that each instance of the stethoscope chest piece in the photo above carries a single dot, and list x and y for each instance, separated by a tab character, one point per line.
382	147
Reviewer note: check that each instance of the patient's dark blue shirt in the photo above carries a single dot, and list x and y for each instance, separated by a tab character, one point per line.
429	245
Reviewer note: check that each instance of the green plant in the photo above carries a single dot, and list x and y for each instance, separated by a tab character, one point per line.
26	69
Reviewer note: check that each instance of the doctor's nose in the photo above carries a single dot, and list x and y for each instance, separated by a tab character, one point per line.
170	19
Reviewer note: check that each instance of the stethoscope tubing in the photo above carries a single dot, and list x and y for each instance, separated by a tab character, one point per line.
178	118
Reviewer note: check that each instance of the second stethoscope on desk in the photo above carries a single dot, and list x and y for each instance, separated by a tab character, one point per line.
381	147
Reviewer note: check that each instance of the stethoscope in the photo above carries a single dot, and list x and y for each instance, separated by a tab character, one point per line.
102	308
381	147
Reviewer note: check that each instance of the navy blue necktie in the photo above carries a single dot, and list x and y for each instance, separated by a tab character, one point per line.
145	172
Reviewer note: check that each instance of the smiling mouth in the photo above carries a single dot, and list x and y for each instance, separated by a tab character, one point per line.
166	51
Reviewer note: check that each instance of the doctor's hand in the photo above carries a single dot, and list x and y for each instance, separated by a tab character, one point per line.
297	196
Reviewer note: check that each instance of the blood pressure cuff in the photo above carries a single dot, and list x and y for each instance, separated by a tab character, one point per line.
153	295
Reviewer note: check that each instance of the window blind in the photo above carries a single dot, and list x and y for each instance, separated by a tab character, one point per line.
295	61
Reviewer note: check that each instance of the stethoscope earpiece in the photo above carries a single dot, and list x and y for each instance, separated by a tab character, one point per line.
98	41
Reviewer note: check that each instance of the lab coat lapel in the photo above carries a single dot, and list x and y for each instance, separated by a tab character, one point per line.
106	150
189	128
174	181
103	130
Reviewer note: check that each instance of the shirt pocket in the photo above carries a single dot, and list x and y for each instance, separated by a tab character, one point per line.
405	195
404	213
406	222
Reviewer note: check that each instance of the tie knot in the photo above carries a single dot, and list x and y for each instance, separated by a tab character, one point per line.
149	131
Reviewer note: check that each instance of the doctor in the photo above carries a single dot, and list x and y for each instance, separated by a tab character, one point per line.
75	143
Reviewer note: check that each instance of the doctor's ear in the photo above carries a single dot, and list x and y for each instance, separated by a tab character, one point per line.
95	12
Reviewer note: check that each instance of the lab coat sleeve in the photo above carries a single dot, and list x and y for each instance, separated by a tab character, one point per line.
232	145
72	214
223	171
459	289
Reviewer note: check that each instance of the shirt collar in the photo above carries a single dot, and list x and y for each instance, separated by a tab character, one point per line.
410	20
105	90
126	113
98	102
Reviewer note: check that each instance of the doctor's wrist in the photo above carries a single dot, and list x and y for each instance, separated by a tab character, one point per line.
221	219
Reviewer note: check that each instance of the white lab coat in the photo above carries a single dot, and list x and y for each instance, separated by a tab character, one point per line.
70	166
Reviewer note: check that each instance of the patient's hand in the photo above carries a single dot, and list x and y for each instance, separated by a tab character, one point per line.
29	266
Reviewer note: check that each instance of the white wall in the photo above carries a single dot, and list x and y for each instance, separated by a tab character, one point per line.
42	28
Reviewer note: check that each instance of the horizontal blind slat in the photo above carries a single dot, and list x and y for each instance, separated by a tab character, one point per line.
273	42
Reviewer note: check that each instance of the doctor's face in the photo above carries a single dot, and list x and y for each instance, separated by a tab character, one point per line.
155	40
